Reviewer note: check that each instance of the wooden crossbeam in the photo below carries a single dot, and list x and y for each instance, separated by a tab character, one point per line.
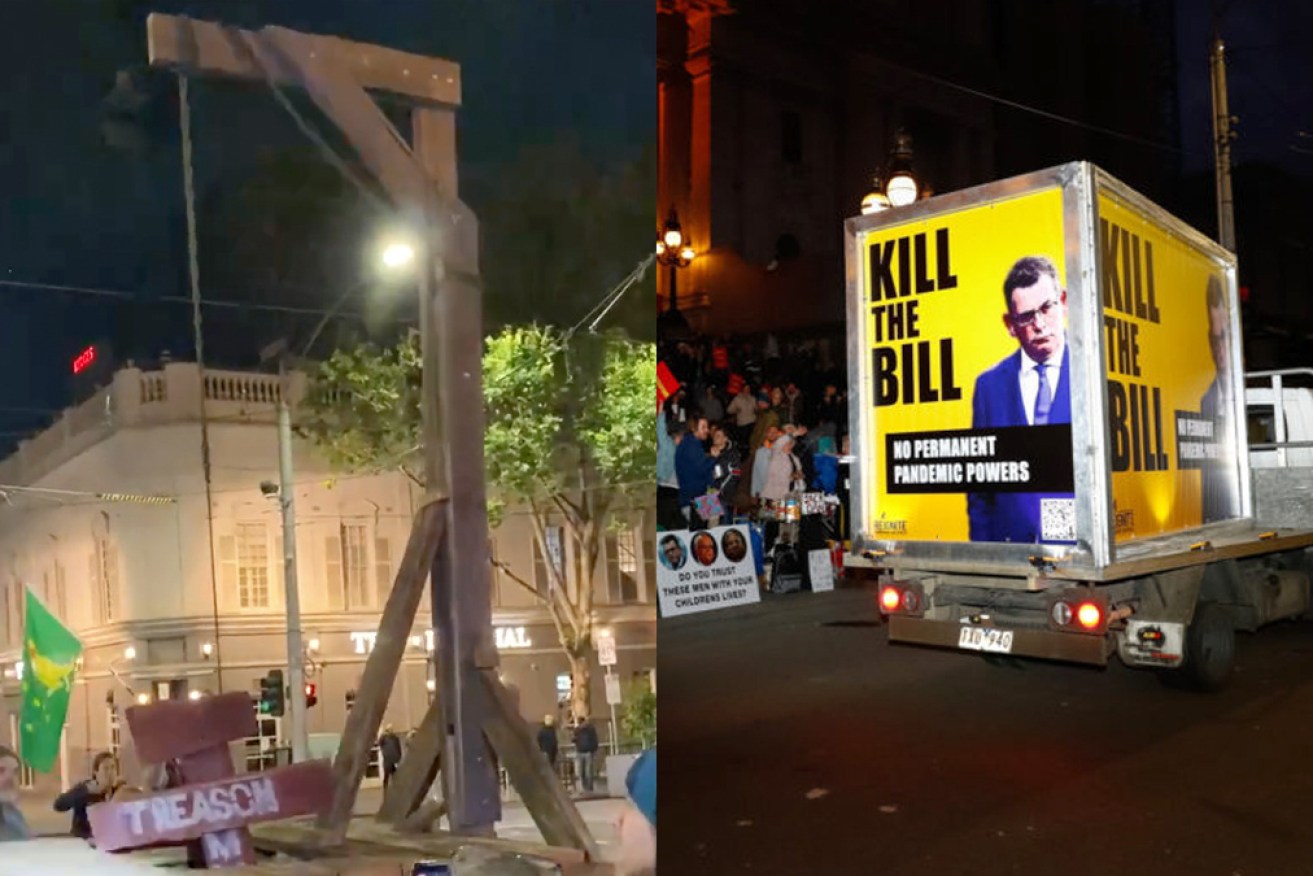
205	47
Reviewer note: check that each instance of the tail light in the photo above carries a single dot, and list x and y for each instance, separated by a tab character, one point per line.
1079	611
902	597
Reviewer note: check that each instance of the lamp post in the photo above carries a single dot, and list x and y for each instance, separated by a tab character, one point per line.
673	251
898	185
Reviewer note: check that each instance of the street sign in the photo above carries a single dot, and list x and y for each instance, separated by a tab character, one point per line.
606	650
613	690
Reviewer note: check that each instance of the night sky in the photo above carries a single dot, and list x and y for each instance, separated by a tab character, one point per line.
77	212
1269	77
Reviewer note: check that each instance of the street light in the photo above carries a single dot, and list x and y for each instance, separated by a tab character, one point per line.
398	254
876	201
673	251
902	187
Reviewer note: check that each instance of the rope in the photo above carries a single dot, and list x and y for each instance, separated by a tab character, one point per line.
194	271
612	298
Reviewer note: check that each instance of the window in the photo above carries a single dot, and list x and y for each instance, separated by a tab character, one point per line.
791	137
252	565
115	730
105	579
355	564
383	568
541	578
333	571
649	555
622	584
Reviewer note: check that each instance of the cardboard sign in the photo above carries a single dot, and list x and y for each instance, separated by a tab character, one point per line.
820	567
705	570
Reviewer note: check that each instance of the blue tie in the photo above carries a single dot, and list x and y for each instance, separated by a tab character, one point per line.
1044	400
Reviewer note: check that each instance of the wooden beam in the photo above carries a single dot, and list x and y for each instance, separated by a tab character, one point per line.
381	668
552	809
417	770
203	47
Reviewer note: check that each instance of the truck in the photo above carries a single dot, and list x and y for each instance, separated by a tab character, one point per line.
1051	431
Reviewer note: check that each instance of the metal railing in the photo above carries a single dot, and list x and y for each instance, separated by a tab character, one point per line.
1278	381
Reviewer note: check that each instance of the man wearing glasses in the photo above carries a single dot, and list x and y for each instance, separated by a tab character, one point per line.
1219	499
1031	387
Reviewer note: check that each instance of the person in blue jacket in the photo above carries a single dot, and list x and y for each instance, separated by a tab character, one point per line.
694	468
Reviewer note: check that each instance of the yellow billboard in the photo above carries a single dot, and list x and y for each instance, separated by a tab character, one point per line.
968	369
1167	360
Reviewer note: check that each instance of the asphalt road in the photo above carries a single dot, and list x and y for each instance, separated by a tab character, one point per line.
796	740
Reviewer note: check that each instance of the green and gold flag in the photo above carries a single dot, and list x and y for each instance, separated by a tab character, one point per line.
50	656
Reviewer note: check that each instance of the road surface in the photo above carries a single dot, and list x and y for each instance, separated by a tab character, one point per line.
796	740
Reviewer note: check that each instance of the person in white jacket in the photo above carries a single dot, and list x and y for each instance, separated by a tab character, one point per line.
782	470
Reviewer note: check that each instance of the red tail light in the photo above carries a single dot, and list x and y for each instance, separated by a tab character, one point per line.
890	598
1089	615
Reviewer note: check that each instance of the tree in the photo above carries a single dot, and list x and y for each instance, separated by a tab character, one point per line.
567	439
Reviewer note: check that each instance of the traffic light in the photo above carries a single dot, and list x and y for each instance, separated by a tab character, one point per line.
271	693
310	698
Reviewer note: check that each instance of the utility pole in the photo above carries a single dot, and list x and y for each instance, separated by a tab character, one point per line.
1222	137
291	593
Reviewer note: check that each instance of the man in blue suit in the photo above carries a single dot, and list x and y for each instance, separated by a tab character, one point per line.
1032	387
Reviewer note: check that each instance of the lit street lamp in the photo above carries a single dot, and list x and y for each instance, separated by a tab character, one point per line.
898	185
673	251
397	255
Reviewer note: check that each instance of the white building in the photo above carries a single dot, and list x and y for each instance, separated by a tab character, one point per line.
175	598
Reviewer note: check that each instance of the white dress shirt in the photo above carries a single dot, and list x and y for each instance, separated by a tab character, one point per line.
1030	381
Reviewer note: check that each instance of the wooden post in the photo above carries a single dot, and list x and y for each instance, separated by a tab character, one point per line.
381	669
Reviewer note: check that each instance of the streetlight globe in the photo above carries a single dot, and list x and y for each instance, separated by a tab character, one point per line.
673	238
398	255
686	255
129	653
143	699
902	189
194	695
875	202
431	685
661	248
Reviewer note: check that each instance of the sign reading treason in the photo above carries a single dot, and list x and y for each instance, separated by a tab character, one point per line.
211	812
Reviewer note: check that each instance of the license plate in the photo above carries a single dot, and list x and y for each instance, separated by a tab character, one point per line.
985	639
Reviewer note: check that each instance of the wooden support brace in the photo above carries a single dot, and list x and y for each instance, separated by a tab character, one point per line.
381	668
417	770
552	809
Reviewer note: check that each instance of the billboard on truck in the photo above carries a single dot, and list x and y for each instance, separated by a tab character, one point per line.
1172	376
1039	366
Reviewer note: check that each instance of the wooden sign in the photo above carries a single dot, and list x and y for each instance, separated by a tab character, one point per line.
211	808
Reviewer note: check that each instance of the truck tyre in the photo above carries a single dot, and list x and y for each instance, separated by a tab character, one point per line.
1209	650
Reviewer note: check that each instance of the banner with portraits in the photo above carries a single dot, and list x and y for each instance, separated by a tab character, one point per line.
705	570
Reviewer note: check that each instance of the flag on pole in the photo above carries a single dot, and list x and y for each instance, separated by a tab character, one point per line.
50	656
666	383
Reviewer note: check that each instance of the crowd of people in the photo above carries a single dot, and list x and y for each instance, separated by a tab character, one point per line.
748	425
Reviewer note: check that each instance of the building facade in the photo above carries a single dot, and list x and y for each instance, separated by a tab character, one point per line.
775	116
183	596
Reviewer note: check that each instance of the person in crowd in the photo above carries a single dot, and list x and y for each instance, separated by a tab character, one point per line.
694	468
766	417
585	749
743	412
389	745
712	408
547	741
783	472
728	469
103	785
636	833
13	826
668	513
793	403
832	409
761	460
676	406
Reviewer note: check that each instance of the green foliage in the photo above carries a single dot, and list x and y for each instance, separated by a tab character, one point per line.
551	404
639	717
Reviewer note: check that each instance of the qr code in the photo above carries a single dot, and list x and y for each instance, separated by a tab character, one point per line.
1057	518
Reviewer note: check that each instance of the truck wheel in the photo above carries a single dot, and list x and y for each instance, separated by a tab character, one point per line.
1209	651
